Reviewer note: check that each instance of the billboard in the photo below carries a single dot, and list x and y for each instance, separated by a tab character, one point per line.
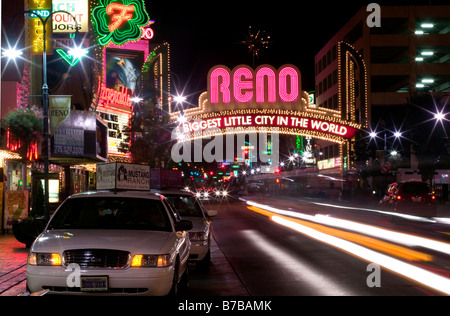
123	69
123	176
65	23
81	135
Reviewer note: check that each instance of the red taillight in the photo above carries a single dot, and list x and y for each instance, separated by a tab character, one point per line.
433	197
399	197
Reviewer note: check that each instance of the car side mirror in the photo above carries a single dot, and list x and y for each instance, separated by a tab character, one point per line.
211	213
183	225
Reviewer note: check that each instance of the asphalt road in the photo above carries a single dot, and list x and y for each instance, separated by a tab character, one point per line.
269	259
258	252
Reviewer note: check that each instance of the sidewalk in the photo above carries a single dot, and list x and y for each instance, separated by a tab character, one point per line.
13	258
219	280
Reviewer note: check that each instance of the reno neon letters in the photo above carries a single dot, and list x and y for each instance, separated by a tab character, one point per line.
265	85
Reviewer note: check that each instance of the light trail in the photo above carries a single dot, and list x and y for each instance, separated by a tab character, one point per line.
349	244
406	216
303	272
397	237
427	278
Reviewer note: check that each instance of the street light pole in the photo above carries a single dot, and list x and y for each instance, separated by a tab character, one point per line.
45	105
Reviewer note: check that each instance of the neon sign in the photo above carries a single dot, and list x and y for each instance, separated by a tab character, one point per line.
71	60
120	14
265	85
113	97
281	121
147	33
40	8
250	101
119	21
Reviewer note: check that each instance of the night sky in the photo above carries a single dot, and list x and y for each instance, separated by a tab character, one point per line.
203	34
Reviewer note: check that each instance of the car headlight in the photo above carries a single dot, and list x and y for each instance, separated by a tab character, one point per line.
151	261
44	259
198	236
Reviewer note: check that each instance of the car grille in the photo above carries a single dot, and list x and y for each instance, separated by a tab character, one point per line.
97	258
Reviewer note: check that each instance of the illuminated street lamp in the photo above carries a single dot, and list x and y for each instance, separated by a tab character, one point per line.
439	116
12	53
179	99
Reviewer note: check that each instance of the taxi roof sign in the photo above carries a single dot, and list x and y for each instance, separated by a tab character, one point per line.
123	176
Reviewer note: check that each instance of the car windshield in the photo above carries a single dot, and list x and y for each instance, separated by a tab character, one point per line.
186	206
111	213
415	188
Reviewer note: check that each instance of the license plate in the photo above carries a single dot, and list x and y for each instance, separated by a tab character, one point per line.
417	199
94	284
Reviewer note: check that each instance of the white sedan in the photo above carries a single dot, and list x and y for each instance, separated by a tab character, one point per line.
111	243
189	207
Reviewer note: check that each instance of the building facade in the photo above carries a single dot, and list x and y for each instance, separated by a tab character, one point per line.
407	59
121	74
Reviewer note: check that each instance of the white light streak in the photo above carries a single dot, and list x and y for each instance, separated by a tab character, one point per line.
304	272
412	272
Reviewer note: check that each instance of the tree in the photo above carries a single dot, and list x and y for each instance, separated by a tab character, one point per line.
24	124
150	137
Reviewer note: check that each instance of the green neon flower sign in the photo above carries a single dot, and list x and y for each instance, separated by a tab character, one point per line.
119	21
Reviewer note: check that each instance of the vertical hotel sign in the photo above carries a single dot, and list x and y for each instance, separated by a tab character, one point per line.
42	8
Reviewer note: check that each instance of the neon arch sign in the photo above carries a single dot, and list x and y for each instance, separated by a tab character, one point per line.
265	85
244	100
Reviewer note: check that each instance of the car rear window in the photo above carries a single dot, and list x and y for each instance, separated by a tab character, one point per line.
186	206
111	213
415	188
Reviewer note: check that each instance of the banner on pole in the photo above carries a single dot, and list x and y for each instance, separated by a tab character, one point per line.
58	111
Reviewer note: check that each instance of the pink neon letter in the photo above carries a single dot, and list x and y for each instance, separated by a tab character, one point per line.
261	87
217	88
239	85
293	86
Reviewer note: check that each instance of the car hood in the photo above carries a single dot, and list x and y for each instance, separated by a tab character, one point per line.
143	242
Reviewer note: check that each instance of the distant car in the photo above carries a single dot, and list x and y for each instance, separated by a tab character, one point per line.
254	186
205	194
190	208
411	197
221	194
111	243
